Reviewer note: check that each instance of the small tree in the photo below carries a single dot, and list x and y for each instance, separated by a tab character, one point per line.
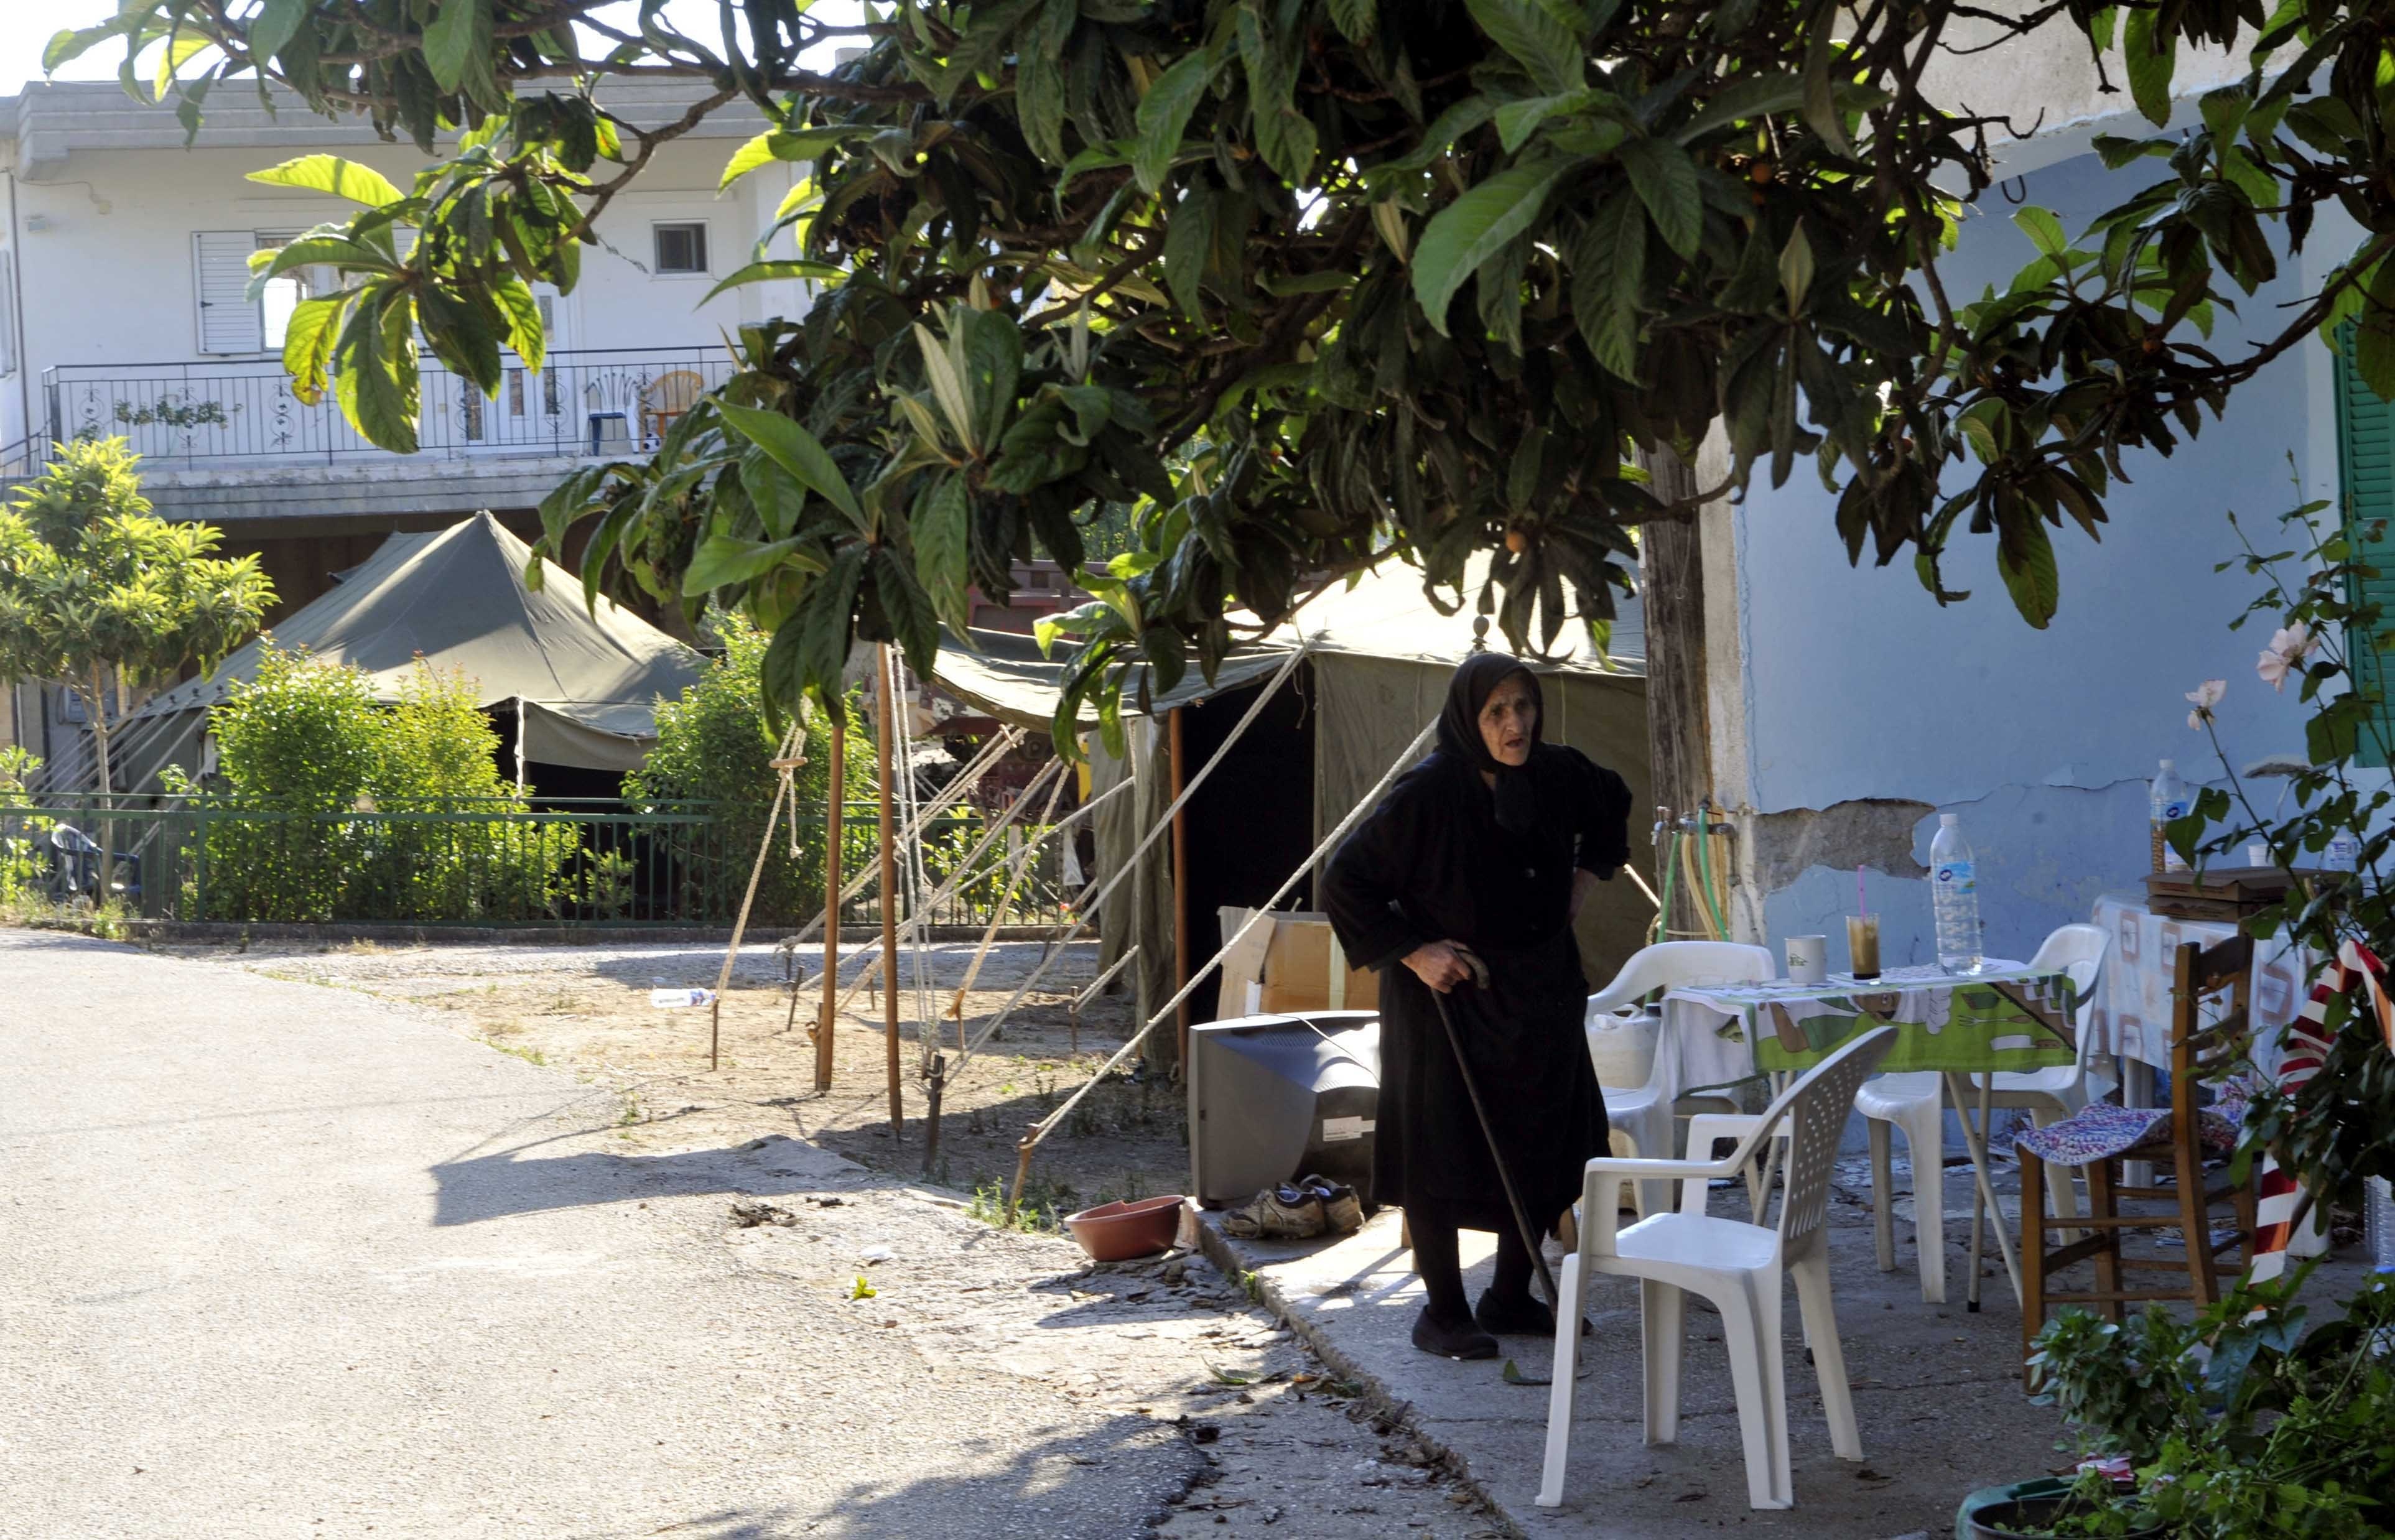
714	745
94	588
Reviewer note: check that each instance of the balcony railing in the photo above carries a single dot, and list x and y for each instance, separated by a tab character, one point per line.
590	401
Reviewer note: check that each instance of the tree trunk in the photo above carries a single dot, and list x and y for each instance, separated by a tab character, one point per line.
1678	733
98	706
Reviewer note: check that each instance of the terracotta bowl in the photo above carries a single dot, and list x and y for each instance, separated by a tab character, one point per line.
1117	1232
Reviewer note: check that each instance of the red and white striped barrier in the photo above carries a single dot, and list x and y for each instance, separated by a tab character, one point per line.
2304	1048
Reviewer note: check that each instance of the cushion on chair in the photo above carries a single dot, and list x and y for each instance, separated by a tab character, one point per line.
2100	1131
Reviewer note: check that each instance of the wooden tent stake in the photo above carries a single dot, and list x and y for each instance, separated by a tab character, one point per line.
730	954
831	894
889	901
935	1082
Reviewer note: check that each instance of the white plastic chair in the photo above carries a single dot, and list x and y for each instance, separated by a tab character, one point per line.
1914	1101
1736	1266
1638	1075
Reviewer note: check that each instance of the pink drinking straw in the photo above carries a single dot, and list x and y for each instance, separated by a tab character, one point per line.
1862	906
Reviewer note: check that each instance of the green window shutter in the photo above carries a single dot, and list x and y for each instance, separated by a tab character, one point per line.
2366	461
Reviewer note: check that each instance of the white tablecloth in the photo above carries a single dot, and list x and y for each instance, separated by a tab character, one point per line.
2133	1003
1711	1049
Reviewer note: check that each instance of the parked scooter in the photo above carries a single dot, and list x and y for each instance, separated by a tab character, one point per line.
74	868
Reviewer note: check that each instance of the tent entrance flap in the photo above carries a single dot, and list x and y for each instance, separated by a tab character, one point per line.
586	737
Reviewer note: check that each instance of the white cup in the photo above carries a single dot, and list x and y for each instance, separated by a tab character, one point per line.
1809	959
2257	855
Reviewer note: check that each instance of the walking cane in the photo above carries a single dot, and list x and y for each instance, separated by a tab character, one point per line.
1489	1131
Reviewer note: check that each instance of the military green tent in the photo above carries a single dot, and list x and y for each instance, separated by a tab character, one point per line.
583	684
1378	656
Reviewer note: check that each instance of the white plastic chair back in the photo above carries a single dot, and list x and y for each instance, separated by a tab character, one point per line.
1817	1108
2080	951
1669	963
1625	1036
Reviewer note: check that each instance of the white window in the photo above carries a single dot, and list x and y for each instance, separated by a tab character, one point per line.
230	320
681	247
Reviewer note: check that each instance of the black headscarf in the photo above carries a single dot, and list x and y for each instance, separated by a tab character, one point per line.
1459	734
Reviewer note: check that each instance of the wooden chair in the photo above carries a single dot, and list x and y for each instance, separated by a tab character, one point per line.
2176	1145
673	393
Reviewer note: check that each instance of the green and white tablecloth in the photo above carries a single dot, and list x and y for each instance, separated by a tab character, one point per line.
2007	1017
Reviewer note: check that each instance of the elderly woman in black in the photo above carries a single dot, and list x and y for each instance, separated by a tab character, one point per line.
1492	844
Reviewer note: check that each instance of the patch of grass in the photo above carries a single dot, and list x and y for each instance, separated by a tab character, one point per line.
38	912
1045	1204
630	1114
530	1056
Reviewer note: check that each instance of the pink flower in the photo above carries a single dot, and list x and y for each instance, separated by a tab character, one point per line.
2289	647
2204	697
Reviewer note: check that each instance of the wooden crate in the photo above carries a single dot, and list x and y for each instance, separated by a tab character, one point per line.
2220	893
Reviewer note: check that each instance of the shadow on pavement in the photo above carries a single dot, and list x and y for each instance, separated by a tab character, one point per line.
492	1187
1099	1483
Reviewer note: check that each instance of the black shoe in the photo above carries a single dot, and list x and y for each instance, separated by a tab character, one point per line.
1526	1315
1443	1339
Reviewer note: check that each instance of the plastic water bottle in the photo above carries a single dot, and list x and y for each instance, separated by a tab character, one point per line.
2345	852
2166	800
1955	895
677	999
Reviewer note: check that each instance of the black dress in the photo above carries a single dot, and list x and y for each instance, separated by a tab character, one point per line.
1432	864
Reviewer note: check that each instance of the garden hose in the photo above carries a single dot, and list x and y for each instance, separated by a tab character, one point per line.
1705	877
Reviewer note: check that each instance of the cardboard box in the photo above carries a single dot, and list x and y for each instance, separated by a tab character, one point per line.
1290	964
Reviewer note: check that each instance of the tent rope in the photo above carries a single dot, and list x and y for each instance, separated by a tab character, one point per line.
965	873
1020	864
1163	825
979	766
1364	806
782	793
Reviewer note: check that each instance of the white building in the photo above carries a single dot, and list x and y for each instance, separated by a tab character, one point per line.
123	310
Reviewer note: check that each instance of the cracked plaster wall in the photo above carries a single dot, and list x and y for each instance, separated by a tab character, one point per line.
1866	709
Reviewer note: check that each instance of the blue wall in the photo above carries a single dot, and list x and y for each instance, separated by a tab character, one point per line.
1858	685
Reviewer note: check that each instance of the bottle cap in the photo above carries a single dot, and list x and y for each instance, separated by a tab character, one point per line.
2169	765
1948	821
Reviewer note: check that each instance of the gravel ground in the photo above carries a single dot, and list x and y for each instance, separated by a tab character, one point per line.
587	1006
289	1260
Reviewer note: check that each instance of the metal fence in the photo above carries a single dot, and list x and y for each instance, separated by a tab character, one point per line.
469	862
582	402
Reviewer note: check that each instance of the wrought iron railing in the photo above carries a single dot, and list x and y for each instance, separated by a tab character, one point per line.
589	401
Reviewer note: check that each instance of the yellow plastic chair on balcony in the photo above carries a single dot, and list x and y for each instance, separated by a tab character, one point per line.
669	396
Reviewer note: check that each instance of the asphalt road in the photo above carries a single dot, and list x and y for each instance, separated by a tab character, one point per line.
288	1261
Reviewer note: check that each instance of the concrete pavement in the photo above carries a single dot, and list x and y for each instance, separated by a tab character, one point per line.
285	1260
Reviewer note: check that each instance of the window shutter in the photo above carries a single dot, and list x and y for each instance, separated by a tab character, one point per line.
2365	454
230	323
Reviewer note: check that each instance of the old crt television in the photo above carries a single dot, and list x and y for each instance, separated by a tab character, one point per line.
1276	1097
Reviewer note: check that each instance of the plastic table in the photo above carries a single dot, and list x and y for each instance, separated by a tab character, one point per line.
2005	1016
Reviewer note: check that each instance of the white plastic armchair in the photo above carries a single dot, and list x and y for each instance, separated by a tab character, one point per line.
1736	1266
1624	1041
1915	1102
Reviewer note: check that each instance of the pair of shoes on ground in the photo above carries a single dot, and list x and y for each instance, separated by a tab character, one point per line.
1492	1318
1301	1210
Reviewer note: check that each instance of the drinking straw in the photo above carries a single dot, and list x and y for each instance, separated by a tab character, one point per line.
1862	905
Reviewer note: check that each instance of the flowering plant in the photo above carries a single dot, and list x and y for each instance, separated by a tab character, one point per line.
2328	632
